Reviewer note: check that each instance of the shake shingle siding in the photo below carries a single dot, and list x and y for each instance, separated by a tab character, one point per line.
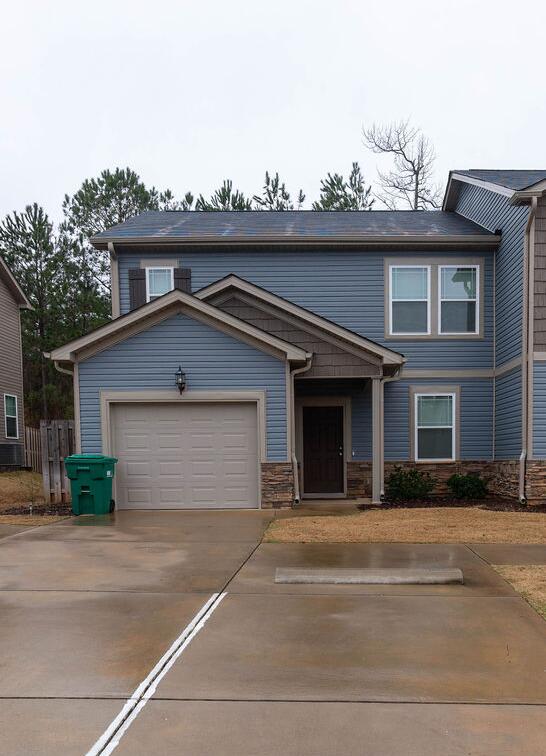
476	414
539	406
508	415
345	286
212	361
494	212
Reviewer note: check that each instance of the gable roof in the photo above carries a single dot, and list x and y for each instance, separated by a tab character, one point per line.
169	304
518	185
509	179
295	227
9	279
388	356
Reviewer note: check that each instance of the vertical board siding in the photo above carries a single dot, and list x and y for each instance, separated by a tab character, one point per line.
539	410
508	415
476	413
493	211
211	359
344	286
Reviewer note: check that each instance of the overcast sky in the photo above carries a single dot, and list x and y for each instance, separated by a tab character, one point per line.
190	93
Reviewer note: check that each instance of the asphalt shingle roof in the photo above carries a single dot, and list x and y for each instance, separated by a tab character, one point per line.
516	180
297	225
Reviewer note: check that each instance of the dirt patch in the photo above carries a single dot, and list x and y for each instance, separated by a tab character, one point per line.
39	510
529	580
419	525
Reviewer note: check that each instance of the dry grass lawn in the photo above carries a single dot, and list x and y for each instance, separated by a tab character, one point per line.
430	525
30	520
529	580
20	487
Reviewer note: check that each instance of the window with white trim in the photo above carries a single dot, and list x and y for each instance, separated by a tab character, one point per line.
435	427
159	281
409	299
10	416
458	286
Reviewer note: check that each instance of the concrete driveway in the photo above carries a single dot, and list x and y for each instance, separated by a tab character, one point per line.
89	606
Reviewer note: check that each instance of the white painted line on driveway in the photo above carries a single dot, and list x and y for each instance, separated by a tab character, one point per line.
110	738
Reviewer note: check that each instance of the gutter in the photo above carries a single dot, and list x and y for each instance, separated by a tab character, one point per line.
295	471
526	348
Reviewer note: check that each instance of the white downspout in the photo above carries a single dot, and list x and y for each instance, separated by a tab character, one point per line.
295	471
526	341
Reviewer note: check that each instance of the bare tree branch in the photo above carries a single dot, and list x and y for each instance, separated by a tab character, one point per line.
409	182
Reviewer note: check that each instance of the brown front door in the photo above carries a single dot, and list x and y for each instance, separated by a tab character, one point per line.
323	450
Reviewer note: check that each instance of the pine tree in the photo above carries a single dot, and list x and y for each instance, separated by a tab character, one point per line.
275	195
338	194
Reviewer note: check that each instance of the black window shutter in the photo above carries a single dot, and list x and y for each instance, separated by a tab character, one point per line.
137	287
182	279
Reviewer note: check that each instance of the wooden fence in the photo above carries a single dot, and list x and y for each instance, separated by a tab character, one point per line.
33	449
57	441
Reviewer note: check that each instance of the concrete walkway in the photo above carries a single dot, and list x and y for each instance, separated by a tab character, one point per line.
89	606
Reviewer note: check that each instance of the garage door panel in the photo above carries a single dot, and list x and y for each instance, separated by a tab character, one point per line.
186	455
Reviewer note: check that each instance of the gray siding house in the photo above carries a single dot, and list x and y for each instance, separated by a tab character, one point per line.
259	358
12	300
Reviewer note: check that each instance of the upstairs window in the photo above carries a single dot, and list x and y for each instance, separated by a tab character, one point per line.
159	281
435	427
10	416
458	300
410	299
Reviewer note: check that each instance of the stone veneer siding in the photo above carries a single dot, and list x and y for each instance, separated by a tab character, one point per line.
502	475
277	485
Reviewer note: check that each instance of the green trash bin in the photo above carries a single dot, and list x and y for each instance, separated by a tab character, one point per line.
91	477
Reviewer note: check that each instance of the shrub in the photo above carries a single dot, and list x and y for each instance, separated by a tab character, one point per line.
469	486
409	484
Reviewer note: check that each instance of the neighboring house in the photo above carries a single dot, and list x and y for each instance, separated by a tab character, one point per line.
12	300
319	349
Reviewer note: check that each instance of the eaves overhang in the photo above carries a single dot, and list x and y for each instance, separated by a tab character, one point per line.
16	291
371	242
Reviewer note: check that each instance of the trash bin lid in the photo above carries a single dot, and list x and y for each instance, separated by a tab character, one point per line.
90	458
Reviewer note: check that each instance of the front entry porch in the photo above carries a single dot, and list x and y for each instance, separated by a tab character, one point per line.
339	438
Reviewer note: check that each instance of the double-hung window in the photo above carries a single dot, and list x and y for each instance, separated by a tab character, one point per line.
409	299
159	281
458	286
10	416
435	426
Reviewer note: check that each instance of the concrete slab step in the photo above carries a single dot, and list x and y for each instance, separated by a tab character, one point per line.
371	576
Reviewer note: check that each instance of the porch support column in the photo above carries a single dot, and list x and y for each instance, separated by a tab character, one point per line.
377	440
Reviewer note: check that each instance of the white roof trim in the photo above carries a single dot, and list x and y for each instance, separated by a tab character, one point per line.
388	356
484	184
68	352
11	282
524	195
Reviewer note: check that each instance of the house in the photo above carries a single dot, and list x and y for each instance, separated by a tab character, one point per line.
259	358
12	300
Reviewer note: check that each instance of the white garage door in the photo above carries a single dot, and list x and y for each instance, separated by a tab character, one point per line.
195	456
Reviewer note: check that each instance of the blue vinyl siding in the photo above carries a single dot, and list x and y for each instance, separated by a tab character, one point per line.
539	410
344	286
211	359
494	212
476	413
508	415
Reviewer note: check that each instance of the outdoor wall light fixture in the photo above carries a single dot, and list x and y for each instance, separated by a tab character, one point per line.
180	379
